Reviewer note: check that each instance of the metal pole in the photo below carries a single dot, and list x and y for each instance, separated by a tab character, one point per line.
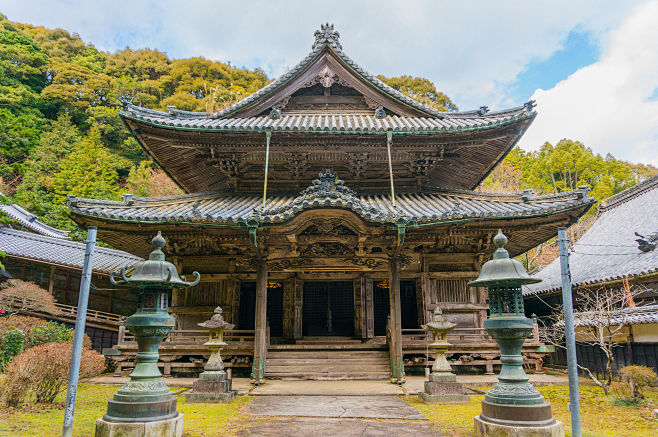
570	333
389	140
78	336
268	135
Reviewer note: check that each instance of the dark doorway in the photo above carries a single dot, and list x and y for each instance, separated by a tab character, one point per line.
381	303
382	307
274	307
409	305
328	309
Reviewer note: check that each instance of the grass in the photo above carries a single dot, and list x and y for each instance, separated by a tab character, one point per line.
201	420
600	416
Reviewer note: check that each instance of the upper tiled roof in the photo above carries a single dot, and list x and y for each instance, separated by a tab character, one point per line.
330	123
225	208
58	251
30	221
326	37
608	250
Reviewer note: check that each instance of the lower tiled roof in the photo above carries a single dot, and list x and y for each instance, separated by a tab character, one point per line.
425	207
58	251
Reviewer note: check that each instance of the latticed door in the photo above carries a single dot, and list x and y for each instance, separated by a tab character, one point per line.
328	309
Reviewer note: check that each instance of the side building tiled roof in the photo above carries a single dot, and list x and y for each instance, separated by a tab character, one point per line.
61	252
608	250
30	221
426	207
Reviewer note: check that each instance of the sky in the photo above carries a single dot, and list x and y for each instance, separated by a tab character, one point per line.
591	65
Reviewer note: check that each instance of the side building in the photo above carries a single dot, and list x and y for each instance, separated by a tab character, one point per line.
619	249
38	253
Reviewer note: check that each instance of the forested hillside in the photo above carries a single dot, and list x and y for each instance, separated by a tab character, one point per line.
60	132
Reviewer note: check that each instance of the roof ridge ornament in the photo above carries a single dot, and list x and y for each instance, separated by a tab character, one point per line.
326	36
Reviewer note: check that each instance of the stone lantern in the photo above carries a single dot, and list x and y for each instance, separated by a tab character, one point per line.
513	407
442	387
145	405
213	384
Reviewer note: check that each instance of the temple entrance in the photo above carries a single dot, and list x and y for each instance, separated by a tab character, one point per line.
328	309
408	304
274	307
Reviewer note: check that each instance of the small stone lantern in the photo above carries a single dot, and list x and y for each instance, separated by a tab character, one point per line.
442	387
145	405
213	384
513	407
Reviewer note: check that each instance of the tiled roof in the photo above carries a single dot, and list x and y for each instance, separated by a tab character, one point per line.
608	251
330	123
225	208
58	251
628	316
30	221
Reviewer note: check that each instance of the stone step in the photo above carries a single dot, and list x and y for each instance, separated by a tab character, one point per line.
319	367
328	376
329	354
301	361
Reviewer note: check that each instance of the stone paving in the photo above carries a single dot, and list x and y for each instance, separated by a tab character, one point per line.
339	416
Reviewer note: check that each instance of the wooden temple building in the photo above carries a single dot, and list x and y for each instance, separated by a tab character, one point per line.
329	215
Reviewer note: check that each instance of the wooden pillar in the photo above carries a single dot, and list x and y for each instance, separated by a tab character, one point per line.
51	281
298	305
260	334
370	309
288	308
397	363
358	307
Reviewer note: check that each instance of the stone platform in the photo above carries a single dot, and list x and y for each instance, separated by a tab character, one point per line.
336	416
161	428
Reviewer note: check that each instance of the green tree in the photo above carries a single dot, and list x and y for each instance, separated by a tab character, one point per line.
89	171
422	90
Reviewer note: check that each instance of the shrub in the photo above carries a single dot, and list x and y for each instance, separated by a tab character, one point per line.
17	296
44	369
51	332
16	385
636	378
24	323
11	344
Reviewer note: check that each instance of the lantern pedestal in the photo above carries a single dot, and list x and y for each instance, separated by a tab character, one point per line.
145	406
161	428
442	387
212	387
213	384
513	407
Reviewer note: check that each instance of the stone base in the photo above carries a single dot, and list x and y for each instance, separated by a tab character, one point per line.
443	377
161	428
198	397
484	428
444	399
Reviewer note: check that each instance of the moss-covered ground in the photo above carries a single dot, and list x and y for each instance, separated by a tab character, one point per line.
600	416
201	420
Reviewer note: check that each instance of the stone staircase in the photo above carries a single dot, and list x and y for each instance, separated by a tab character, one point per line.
327	362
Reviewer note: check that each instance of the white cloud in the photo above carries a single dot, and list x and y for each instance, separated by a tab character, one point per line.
472	50
606	105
